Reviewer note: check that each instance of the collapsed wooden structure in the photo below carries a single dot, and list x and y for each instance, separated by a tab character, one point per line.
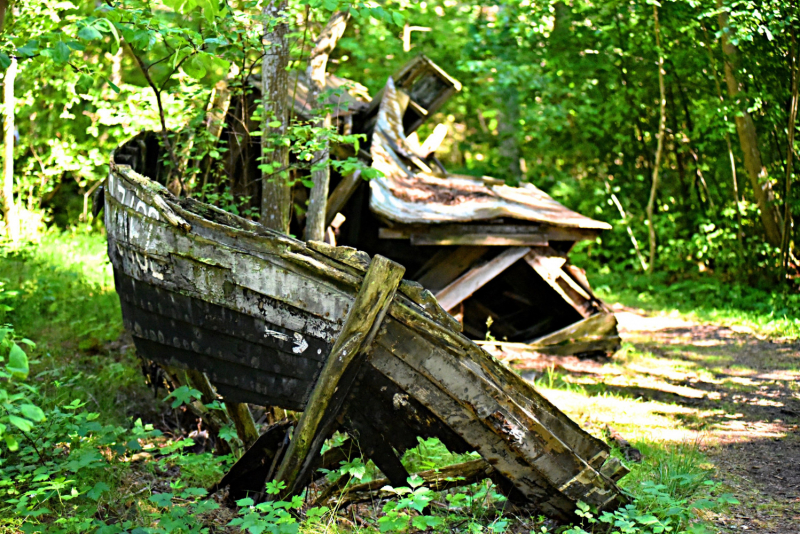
485	249
338	335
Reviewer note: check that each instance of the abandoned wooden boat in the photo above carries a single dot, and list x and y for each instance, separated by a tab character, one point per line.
339	335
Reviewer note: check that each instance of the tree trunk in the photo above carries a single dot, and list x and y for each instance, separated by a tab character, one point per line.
276	195
9	207
787	208
507	124
662	123
748	139
317	65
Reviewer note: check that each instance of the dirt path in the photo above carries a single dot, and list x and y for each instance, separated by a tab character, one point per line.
755	384
734	392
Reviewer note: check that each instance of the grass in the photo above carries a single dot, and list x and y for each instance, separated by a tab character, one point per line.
704	299
61	294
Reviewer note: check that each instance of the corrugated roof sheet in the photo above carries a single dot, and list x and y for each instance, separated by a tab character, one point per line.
409	193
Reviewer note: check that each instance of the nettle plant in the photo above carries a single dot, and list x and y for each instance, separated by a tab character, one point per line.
20	414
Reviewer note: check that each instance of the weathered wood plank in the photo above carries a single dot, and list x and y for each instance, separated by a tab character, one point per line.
341	195
596	327
486	234
414	345
243	421
477	277
451	476
248	476
257	274
479	239
366	315
235	382
450	266
550	269
231	326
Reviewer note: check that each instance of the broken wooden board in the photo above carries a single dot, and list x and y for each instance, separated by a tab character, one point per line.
478	276
260	313
486	234
440	479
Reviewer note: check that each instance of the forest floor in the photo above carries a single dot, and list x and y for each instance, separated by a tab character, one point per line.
730	392
696	398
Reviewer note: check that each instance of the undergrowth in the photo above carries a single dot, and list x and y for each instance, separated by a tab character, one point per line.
79	455
704	298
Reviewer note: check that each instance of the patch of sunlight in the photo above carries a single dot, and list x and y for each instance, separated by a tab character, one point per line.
84	253
637	420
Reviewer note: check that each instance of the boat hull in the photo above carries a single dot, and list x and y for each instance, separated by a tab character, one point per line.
259	314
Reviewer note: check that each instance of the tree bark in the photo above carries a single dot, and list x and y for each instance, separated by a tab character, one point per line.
316	72
662	123
748	139
276	194
787	208
9	206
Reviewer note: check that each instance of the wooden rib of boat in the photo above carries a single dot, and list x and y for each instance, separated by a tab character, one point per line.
341	337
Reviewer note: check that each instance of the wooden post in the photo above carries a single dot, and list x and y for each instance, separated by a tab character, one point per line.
316	71
243	421
362	323
341	195
213	418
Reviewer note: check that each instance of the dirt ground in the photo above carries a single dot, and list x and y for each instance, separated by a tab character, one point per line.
732	391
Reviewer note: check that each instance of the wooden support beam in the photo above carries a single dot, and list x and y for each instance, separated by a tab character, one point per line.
477	277
551	269
360	327
248	476
243	421
449	265
341	195
539	235
598	332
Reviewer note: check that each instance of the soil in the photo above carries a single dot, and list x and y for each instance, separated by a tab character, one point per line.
727	388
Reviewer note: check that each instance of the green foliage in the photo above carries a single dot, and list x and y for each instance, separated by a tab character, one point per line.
705	297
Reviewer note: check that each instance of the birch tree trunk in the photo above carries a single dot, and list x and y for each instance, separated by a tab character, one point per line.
316	72
276	195
662	123
9	207
748	139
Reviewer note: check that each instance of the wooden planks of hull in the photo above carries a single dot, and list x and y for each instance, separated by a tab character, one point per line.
260	315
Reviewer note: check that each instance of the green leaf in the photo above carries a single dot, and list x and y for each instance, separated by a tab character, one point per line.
32	412
89	33
113	86
194	67
84	84
19	422
5	62
398	18
163	500
181	6
59	53
274	124
17	362
183	395
330	5
97	490
111	29
11	442
210	9
28	49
